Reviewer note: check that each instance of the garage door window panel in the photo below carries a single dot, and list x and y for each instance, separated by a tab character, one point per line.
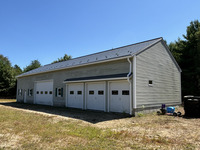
71	92
91	92
100	92
79	92
114	92
125	92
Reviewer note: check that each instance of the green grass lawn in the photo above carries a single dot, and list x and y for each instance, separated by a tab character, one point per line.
34	131
28	130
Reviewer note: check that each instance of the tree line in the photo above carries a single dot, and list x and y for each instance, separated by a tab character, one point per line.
186	51
8	73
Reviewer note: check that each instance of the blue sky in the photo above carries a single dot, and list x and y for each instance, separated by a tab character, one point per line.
48	29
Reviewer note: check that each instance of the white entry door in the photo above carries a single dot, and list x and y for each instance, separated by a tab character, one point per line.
95	95
44	93
75	95
119	96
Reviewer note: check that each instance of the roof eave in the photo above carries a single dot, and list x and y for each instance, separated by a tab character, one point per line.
86	64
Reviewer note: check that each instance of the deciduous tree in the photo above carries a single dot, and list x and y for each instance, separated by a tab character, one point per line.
17	70
33	65
64	58
7	78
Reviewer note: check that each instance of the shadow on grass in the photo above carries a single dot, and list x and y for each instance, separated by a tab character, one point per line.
191	117
85	115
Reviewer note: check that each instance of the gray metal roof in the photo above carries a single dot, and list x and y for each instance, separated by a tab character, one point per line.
128	50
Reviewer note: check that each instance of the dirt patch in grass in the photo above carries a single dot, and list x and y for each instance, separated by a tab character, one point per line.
9	140
26	128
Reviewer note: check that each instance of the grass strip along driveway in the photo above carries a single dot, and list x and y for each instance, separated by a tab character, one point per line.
22	128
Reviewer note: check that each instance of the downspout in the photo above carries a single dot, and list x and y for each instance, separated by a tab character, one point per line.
134	83
130	85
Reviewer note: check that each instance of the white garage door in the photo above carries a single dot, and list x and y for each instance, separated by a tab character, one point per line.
119	100
95	96
44	93
75	95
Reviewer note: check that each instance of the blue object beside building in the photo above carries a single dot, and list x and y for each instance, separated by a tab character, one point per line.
170	109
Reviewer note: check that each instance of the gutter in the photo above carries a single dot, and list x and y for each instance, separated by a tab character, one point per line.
105	79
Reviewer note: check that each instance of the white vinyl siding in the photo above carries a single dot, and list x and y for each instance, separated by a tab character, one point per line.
155	64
